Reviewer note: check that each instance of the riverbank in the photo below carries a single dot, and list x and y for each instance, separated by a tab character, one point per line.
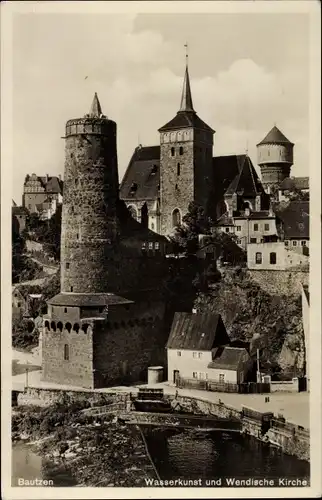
91	451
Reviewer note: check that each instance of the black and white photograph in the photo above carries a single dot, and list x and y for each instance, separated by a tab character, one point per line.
161	326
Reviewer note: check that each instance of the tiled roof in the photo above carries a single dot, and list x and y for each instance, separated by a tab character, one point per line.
275	136
87	299
185	119
199	331
54	185
225	220
290	183
142	177
246	182
228	358
295	219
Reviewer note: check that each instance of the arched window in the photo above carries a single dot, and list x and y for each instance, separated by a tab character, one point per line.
76	327
172	151
272	258
176	218
258	258
178	169
85	327
53	326
133	211
60	326
47	324
181	150
144	215
68	327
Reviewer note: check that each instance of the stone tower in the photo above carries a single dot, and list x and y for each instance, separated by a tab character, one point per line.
186	144
275	158
89	222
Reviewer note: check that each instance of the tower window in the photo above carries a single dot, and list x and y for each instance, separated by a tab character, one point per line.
66	352
178	168
71	288
181	150
258	258
176	187
172	151
65	310
77	236
176	218
272	258
67	265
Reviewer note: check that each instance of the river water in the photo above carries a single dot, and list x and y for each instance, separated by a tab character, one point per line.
184	455
28	465
214	455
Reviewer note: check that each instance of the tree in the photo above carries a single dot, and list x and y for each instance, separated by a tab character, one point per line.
195	222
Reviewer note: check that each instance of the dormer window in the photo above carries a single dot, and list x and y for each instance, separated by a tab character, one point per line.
134	187
154	169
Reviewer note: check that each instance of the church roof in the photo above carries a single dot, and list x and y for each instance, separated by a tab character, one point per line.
246	182
275	136
186	98
185	119
186	116
199	331
87	299
142	176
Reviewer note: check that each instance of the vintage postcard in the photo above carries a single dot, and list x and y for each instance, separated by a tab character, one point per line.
161	247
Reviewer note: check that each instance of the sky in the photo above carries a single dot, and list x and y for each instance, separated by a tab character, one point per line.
247	71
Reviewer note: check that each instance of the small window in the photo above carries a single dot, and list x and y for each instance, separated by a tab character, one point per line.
195	374
221	378
176	187
143	245
258	258
238	228
255	227
272	258
179	353
199	355
156	245
77	236
134	187
253	240
294	243
286	243
71	288
65	310
19	304
152	226
303	243
178	169
150	245
172	151
194	354
181	150
66	352
266	227
67	265
238	242
154	169
227	229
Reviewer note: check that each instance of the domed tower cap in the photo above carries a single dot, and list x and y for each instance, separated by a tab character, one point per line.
275	136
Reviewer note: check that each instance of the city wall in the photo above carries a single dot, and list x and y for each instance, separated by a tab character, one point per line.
280	282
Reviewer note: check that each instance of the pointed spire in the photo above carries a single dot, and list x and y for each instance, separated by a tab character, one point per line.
186	99
96	109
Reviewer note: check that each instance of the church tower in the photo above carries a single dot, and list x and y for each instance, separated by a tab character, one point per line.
275	158
186	144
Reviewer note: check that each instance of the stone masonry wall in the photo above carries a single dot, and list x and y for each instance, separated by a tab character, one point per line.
280	282
78	370
89	224
127	344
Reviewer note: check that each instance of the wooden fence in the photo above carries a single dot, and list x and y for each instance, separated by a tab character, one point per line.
210	385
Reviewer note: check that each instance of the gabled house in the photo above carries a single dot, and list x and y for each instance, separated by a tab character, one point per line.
193	341
230	365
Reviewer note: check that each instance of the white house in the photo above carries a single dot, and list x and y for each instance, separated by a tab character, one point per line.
230	365
192	343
